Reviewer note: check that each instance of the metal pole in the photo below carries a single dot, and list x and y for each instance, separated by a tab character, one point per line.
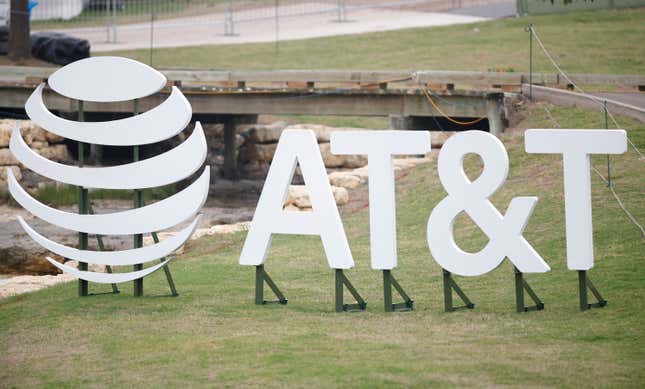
259	284
114	21
152	31
519	290
229	23
107	24
83	287
338	286
447	292
529	29
387	290
342	11
582	286
277	25
138	202
607	127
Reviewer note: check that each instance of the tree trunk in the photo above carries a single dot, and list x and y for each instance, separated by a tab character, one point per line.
19	44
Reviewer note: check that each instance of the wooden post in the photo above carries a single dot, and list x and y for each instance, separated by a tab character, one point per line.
19	44
231	122
230	154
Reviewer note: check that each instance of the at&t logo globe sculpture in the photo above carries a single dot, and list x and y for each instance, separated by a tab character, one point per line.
112	79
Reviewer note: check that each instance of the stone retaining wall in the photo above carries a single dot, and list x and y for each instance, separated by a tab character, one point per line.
47	144
261	140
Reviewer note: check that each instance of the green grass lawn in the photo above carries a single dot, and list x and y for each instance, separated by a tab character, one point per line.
213	334
582	42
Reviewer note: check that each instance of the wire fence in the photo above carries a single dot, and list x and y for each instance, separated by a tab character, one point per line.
607	180
226	15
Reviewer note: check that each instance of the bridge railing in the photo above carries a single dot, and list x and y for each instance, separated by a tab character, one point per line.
301	79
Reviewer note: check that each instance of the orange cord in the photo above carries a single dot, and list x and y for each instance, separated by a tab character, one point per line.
425	92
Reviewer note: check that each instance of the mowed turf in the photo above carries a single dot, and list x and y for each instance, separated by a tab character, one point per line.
581	42
213	334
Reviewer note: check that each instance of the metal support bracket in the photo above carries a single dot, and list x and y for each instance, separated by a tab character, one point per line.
138	203
584	283
83	285
388	282
342	282
99	241
166	270
449	285
261	276
520	286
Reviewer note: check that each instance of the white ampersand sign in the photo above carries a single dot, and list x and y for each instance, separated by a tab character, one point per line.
504	232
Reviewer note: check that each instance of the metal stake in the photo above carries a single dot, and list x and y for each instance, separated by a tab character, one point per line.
83	287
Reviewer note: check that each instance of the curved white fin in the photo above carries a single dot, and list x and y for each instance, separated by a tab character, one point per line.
115	258
107	278
106	79
154	217
160	123
163	169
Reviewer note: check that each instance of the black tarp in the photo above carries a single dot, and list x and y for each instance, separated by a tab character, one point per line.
4	40
58	48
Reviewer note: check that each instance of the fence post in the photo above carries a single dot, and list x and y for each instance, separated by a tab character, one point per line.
229	23
277	25
107	24
607	127
113	20
152	32
530	31
342	11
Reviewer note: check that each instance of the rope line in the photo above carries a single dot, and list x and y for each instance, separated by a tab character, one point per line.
620	202
609	185
575	86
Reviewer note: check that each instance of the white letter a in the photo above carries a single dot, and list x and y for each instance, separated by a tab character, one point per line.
297	146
